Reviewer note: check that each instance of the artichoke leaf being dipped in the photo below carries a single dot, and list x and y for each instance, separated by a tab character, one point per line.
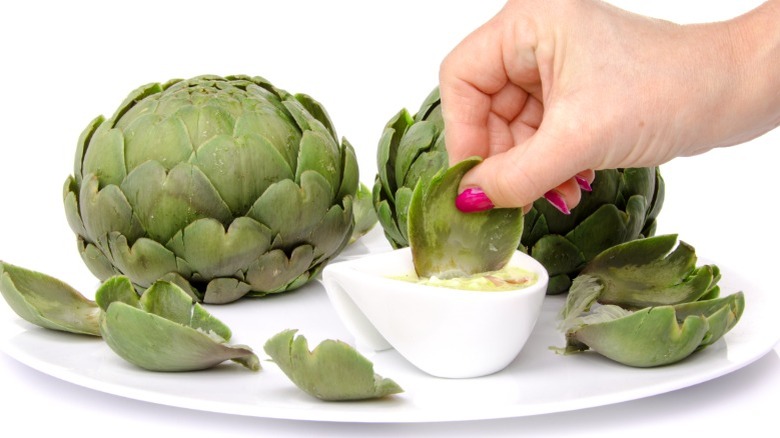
645	303
333	371
446	242
164	330
622	206
227	186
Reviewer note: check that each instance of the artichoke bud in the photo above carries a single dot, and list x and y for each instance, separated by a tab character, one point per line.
645	303
622	206
213	180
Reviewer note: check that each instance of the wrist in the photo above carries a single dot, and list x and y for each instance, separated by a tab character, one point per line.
754	40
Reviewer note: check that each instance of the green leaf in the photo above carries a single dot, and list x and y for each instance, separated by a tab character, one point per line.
211	251
233	166
145	261
47	302
117	288
446	242
333	371
649	272
646	338
363	212
152	137
170	333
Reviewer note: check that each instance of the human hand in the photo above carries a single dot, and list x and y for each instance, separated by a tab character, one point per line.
548	90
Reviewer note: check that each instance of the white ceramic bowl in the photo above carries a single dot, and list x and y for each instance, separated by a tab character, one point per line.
444	332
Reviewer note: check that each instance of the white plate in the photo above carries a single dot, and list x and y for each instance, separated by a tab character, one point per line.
537	382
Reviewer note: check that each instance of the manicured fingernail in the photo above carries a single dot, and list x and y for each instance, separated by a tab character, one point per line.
583	183
556	200
473	200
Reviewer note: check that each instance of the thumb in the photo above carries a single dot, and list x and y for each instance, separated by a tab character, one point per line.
524	173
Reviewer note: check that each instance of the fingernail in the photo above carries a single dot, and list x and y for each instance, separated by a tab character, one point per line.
473	200
583	183
556	200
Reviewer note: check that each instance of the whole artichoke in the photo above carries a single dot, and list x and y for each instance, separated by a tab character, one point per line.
225	186
623	205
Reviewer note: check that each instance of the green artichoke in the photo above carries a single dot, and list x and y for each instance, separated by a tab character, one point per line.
623	205
228	187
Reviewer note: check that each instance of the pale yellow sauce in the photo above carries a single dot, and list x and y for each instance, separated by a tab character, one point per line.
508	278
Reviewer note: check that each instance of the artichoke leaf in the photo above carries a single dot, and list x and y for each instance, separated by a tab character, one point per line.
118	288
387	151
105	157
294	211
106	210
145	261
333	371
48	302
446	242
231	165
654	336
363	212
97	262
225	290
165	331
350	173
722	314
318	112
649	272
151	137
71	203
81	147
318	152
646	338
418	138
274	269
390	228
211	251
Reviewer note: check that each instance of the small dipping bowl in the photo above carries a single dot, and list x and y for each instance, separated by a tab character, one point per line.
444	332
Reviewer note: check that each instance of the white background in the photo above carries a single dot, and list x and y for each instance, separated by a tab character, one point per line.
63	63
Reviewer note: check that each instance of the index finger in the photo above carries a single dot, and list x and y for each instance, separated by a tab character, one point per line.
468	76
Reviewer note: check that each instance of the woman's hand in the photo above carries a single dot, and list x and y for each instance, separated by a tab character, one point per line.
549	90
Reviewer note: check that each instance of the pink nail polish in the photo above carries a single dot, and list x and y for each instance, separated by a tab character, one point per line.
583	183
473	200
556	200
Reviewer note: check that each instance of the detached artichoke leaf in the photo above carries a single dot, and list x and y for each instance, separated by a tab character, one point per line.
333	371
446	242
642	273
722	314
164	330
654	336
47	302
646	338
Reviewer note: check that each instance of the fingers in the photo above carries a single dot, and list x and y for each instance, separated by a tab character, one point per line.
543	166
468	77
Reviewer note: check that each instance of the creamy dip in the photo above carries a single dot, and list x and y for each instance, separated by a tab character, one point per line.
507	278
